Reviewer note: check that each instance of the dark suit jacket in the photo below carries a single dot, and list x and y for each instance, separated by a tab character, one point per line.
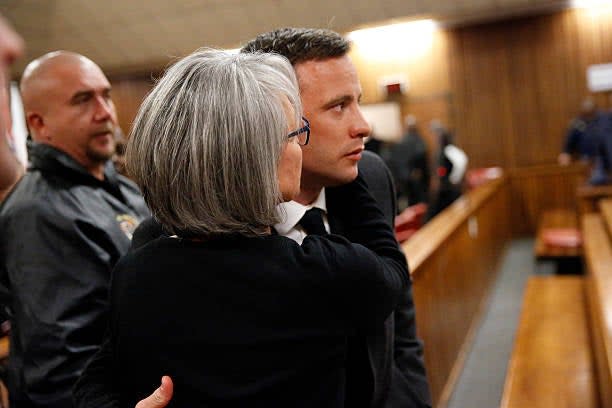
395	352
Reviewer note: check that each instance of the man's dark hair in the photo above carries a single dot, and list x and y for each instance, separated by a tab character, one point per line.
300	44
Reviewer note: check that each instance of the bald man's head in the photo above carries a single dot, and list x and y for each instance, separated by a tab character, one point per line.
66	98
43	74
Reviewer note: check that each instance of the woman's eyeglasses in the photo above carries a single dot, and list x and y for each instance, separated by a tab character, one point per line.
302	134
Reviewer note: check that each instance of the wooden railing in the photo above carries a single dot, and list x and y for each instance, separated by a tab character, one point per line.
453	261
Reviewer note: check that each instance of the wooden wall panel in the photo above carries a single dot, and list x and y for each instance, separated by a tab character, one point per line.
428	95
536	189
127	95
481	100
516	84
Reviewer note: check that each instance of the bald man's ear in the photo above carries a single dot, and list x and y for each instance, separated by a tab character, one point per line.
37	127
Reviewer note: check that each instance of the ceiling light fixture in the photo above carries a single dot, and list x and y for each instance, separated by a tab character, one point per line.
590	3
411	39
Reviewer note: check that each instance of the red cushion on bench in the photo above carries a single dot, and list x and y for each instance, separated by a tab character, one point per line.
562	237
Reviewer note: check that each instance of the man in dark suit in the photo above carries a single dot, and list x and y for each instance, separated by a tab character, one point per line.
384	365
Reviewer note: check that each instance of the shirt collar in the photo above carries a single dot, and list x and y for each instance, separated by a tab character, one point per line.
291	212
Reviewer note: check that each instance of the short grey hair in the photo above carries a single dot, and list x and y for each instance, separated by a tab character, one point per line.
207	140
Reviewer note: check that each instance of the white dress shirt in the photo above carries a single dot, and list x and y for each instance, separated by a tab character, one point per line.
292	212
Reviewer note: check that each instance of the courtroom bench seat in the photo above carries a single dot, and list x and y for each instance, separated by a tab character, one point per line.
552	364
598	257
558	239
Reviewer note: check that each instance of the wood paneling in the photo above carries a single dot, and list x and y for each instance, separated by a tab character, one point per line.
539	188
428	95
453	260
516	84
127	95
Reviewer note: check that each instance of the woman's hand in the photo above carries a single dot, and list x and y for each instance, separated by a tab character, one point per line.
160	397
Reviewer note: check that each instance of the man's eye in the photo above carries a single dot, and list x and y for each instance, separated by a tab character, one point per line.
338	107
81	99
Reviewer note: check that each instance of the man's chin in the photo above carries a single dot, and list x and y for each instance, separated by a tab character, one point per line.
101	155
341	178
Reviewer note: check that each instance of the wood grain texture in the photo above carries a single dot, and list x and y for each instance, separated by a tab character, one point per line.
453	260
127	95
516	84
551	364
536	189
598	256
605	208
589	196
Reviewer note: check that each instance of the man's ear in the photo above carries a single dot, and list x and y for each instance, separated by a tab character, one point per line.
36	124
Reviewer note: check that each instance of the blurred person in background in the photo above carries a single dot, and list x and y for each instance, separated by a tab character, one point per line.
410	166
11	47
582	136
450	170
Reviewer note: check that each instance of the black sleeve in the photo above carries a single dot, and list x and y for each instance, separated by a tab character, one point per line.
410	378
375	273
572	138
410	386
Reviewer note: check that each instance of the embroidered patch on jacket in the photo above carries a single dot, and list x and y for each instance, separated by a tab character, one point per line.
127	224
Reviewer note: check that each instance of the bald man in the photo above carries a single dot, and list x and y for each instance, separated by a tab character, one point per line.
11	47
62	229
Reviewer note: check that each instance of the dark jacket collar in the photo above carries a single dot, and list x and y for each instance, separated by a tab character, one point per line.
51	161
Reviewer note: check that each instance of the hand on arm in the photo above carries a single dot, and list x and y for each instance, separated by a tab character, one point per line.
161	396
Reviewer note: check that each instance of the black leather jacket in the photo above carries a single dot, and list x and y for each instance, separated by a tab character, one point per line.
61	232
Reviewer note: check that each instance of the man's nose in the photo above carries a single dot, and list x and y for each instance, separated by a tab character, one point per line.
104	108
361	127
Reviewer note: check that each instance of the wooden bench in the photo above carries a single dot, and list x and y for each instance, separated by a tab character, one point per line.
605	208
588	196
568	258
551	364
598	256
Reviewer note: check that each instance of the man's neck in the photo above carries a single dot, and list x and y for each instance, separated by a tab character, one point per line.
307	195
97	172
93	167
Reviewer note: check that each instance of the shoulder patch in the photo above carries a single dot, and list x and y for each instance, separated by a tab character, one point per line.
127	224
